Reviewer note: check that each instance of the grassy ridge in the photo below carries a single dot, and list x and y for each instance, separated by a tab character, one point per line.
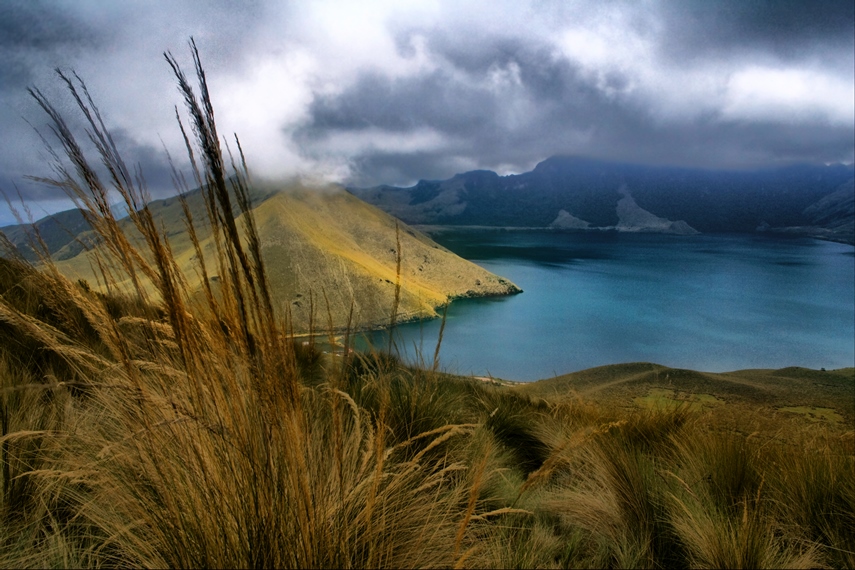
318	242
772	392
161	429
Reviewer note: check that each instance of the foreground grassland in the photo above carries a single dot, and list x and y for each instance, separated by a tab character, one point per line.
173	428
118	450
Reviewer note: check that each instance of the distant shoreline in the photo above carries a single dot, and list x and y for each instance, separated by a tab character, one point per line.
403	319
791	232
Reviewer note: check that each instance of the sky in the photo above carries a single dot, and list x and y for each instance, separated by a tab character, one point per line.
388	92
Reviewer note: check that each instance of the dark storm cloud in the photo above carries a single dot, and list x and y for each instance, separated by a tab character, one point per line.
544	73
567	115
383	92
402	166
152	161
435	100
148	160
39	25
35	31
786	28
461	101
561	106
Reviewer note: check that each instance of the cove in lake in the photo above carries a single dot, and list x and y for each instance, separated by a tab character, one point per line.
708	302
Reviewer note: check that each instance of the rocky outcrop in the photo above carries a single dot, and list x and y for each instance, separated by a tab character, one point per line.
634	218
567	221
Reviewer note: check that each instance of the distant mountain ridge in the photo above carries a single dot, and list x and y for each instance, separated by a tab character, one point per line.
573	193
56	231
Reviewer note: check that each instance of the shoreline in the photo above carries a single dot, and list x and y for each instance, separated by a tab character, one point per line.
405	319
821	234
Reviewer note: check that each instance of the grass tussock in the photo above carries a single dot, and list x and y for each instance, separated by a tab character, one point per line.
165	428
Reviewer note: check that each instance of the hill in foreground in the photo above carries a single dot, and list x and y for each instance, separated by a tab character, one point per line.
323	248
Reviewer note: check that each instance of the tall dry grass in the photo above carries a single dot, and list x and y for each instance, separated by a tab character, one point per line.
196	442
159	427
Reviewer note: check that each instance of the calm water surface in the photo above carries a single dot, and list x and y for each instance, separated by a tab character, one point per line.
713	303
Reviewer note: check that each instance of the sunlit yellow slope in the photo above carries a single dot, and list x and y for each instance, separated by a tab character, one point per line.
326	245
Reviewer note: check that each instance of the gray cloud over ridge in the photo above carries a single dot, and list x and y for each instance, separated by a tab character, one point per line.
374	92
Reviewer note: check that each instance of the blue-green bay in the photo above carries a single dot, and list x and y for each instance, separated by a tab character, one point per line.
705	302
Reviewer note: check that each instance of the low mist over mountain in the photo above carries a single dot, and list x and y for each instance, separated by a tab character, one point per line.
572	193
325	250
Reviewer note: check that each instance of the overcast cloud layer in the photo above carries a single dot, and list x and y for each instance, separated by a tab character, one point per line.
390	92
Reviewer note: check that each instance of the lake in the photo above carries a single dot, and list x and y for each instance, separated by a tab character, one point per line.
707	302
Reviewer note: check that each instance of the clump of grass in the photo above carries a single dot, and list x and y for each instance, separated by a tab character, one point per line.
814	490
720	509
513	420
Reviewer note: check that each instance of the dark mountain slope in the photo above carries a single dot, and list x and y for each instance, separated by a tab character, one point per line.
57	231
578	193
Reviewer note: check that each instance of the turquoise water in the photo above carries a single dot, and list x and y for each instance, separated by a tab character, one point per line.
712	303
